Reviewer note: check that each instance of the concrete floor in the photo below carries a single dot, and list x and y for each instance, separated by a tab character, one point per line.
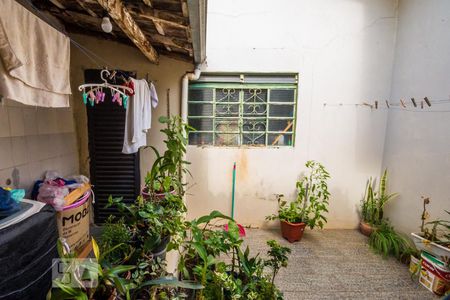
338	264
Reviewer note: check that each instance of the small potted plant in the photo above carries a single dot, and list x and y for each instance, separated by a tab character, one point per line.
372	205
309	207
434	236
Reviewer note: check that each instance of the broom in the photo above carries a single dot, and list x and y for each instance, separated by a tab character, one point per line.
241	228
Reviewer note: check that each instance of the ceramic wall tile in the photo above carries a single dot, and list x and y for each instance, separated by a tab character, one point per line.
16	121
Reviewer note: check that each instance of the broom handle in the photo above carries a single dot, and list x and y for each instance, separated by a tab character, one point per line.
232	191
289	125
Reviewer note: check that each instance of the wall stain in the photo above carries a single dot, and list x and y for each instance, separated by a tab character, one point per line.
242	165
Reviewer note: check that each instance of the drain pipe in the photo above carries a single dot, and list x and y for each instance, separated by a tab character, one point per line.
184	105
184	90
173	256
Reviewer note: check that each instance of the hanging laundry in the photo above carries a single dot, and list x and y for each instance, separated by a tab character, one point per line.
139	115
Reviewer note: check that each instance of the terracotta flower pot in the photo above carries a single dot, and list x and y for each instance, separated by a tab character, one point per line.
157	196
365	228
292	231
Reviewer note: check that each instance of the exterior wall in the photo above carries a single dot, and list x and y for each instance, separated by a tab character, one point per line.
166	75
34	140
343	52
417	150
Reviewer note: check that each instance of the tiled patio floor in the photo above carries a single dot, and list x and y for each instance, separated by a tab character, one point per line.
338	264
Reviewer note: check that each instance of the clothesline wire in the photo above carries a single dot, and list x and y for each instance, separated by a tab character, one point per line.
397	106
90	54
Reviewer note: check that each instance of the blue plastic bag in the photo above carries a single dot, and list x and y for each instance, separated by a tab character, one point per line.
10	201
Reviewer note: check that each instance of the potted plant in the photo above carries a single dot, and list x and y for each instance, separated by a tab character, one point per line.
372	205
309	207
165	174
151	224
434	236
244	276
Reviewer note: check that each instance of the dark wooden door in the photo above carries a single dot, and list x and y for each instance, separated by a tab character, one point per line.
112	172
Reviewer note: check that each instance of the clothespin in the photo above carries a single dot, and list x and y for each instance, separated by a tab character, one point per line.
413	102
98	97
84	96
376	104
367	104
427	101
387	104
421	104
402	103
115	97
125	101
112	75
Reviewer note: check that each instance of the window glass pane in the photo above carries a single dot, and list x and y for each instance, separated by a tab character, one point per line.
201	124
281	125
281	110
227	139
244	111
227	125
282	95
255	102
275	139
254	125
200	138
227	95
201	94
227	110
200	109
254	139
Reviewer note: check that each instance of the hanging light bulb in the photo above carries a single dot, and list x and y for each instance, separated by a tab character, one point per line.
106	25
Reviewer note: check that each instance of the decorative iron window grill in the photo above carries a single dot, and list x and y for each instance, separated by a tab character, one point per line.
243	109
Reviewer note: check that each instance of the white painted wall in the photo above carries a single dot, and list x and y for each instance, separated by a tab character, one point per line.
343	51
417	150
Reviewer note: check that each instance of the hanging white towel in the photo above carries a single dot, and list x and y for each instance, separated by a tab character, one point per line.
35	59
139	116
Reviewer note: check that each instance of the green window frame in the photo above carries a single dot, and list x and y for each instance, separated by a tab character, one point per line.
243	110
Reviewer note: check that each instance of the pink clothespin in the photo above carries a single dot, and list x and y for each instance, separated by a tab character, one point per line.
115	97
91	95
119	100
98	97
102	99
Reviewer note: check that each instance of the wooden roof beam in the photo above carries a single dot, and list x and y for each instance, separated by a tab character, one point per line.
86	8
148	3
120	14
162	21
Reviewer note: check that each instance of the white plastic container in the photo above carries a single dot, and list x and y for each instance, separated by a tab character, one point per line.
425	245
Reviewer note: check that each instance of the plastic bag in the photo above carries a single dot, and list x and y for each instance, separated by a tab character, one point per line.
52	193
9	201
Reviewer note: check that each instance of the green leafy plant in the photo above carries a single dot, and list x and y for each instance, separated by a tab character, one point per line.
387	242
165	173
115	234
109	278
242	277
312	199
151	222
372	206
278	257
437	231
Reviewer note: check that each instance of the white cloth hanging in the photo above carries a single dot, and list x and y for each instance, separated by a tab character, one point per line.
34	58
139	116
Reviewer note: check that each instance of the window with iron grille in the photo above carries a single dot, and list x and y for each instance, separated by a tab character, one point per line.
243	109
